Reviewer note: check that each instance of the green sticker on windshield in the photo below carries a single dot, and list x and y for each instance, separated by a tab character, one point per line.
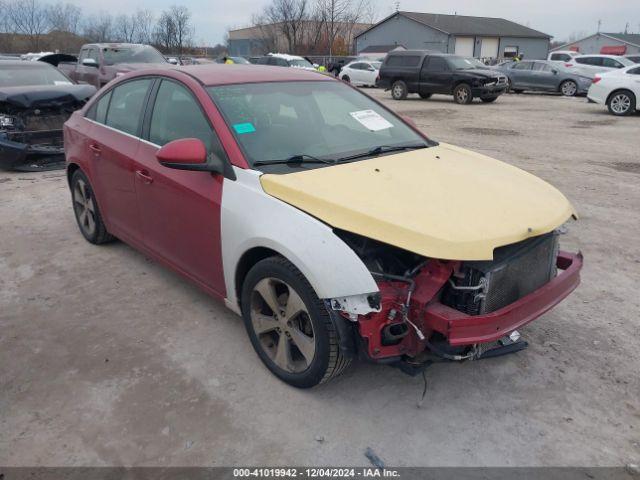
244	128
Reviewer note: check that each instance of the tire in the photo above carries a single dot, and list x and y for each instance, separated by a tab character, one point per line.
518	90
621	103
569	88
399	90
346	79
489	99
284	337
89	220
425	95
462	94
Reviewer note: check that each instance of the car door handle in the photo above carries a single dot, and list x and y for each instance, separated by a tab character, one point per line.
144	176
95	148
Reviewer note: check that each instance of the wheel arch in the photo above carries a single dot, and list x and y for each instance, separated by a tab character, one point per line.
71	169
626	90
247	261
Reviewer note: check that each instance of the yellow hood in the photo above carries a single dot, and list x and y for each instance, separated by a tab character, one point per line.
442	202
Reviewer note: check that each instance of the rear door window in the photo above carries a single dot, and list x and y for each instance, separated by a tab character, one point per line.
523	66
560	56
611	63
435	64
127	105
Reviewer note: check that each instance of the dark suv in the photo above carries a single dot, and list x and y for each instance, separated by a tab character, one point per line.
426	73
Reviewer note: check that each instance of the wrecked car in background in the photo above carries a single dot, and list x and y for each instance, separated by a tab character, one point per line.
35	101
99	63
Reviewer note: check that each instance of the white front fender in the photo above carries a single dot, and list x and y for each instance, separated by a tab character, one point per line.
251	218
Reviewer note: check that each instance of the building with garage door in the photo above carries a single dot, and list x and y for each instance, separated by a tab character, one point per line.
480	37
605	43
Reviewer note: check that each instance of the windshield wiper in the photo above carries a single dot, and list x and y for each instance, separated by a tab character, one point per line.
300	158
380	149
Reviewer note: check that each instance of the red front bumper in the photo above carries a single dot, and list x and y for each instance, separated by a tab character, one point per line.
462	329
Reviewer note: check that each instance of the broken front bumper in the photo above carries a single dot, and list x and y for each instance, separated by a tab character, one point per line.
462	329
22	149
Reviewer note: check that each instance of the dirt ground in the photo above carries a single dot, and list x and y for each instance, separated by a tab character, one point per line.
106	358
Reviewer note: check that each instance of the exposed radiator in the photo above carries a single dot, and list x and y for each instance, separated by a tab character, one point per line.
515	271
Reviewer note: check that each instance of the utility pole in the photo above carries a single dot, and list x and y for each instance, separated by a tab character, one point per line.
626	28
599	23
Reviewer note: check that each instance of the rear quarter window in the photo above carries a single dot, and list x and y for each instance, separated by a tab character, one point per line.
403	60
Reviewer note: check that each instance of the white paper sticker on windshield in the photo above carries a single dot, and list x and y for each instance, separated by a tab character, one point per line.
371	120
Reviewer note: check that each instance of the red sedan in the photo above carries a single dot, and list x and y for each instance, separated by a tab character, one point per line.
333	226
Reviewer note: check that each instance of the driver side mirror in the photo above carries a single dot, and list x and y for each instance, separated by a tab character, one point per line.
90	62
189	154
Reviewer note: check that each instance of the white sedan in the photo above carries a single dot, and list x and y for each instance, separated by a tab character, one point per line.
619	90
362	73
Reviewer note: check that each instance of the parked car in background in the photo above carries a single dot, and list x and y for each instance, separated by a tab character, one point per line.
361	73
426	73
562	55
335	66
618	90
591	64
230	59
334	227
285	60
35	100
635	57
545	75
99	63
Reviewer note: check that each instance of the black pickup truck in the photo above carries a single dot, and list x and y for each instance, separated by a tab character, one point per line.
426	73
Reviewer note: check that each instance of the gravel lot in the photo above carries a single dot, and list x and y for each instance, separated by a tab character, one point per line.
106	358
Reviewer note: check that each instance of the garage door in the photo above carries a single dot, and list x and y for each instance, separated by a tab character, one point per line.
464	46
489	48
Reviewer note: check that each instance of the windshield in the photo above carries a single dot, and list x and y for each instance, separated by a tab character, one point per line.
376	65
460	63
324	119
300	63
239	60
141	54
31	74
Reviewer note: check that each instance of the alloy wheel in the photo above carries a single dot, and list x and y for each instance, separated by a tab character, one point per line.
84	207
621	103
462	95
397	91
282	324
569	89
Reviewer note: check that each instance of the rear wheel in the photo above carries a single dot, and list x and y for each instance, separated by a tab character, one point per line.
399	90
489	99
462	94
569	88
425	95
621	103
289	326
86	210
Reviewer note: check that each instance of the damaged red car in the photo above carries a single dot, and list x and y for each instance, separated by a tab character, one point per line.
333	226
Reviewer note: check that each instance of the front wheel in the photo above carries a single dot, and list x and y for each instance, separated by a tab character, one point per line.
85	208
621	103
346	79
289	326
399	90
462	94
569	88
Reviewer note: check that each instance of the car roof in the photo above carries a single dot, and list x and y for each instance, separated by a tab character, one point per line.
220	74
599	55
25	63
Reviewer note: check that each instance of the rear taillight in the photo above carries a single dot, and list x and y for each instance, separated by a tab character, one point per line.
568	64
596	79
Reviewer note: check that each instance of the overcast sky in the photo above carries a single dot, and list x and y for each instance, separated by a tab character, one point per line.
559	18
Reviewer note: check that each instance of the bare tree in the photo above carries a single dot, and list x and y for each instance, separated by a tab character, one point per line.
99	28
125	28
334	14
64	17
268	37
144	26
28	17
288	17
183	30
